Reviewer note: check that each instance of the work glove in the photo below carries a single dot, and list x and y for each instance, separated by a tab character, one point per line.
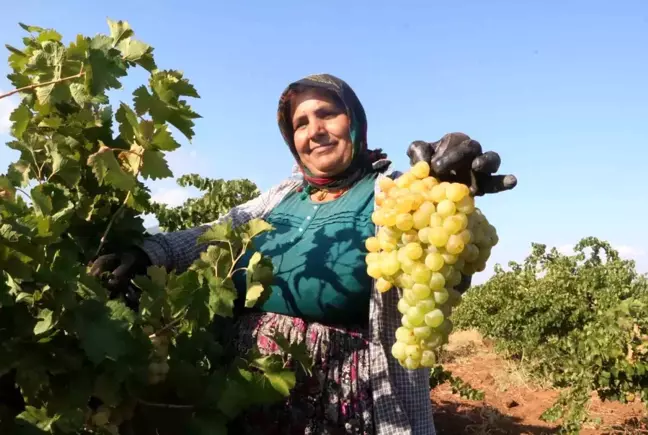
458	158
117	271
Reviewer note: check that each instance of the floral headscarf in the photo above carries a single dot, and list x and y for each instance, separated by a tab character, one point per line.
363	158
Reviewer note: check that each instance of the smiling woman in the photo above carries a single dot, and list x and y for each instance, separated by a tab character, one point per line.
321	294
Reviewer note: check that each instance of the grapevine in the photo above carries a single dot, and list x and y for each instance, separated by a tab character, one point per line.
577	320
431	236
75	358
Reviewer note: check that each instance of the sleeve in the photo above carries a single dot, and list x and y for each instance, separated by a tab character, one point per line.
179	249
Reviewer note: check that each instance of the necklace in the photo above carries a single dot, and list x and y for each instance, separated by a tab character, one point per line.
323	193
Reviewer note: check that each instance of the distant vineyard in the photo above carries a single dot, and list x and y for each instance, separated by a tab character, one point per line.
580	321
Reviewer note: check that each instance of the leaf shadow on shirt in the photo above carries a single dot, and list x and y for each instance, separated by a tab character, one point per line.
320	269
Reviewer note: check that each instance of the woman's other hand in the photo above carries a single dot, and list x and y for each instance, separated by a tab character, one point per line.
121	269
458	158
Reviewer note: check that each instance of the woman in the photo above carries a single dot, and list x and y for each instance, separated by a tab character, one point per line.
321	292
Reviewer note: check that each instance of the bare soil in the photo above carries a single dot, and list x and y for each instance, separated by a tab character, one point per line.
513	402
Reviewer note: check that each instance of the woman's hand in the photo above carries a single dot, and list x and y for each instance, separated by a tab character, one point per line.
121	269
458	158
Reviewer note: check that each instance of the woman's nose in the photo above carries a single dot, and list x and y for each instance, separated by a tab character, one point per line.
315	128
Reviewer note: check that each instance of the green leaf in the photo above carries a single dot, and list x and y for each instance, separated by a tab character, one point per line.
49	35
45	323
35	418
217	233
282	381
128	123
154	166
42	202
119	30
79	93
162	139
108	171
133	50
253	294
31	29
68	169
20	117
103	329
105	70
257	226
222	295
44	94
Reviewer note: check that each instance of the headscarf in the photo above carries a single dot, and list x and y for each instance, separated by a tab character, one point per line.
362	158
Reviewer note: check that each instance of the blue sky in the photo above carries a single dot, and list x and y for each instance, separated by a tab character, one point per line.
558	88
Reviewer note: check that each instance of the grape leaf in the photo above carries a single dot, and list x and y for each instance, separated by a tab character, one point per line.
105	71
49	35
108	171
163	140
42	202
208	424
257	226
253	294
79	93
20	118
282	381
217	233
45	322
154	166
133	50
103	329
119	30
128	123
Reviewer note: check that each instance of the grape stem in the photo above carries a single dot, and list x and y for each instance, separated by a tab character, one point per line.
110	224
38	85
164	405
169	325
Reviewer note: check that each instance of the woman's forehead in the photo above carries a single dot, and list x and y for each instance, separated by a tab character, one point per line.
312	98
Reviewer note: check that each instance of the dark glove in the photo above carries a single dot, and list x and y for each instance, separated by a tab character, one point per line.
458	158
121	269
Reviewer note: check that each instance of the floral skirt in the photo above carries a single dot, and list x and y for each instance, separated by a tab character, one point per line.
336	399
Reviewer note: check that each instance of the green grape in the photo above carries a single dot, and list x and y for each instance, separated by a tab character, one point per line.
428	359
405	335
465	236
409	236
411	363
421	291
440	296
454	279
414	251
434	261
410	297
434	318
398	350
374	270
403	306
415	316
456	192
426	305
466	205
470	253
454	245
424	235
446	208
372	244
413	351
420	273
437	281
454	224
390	265
421	219
422	332
436	221
438	193
449	258
434	341
405	321
438	237
382	285
404	280
404	221
372	257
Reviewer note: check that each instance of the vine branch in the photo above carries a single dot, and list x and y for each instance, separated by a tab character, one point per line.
38	85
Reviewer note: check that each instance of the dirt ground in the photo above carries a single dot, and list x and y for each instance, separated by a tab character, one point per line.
512	403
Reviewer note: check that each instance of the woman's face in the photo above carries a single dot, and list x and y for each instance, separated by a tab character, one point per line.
322	133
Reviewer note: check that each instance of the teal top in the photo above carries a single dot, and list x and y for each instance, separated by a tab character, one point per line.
318	253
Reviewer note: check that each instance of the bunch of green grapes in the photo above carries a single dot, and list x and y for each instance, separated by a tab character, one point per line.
158	367
430	233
